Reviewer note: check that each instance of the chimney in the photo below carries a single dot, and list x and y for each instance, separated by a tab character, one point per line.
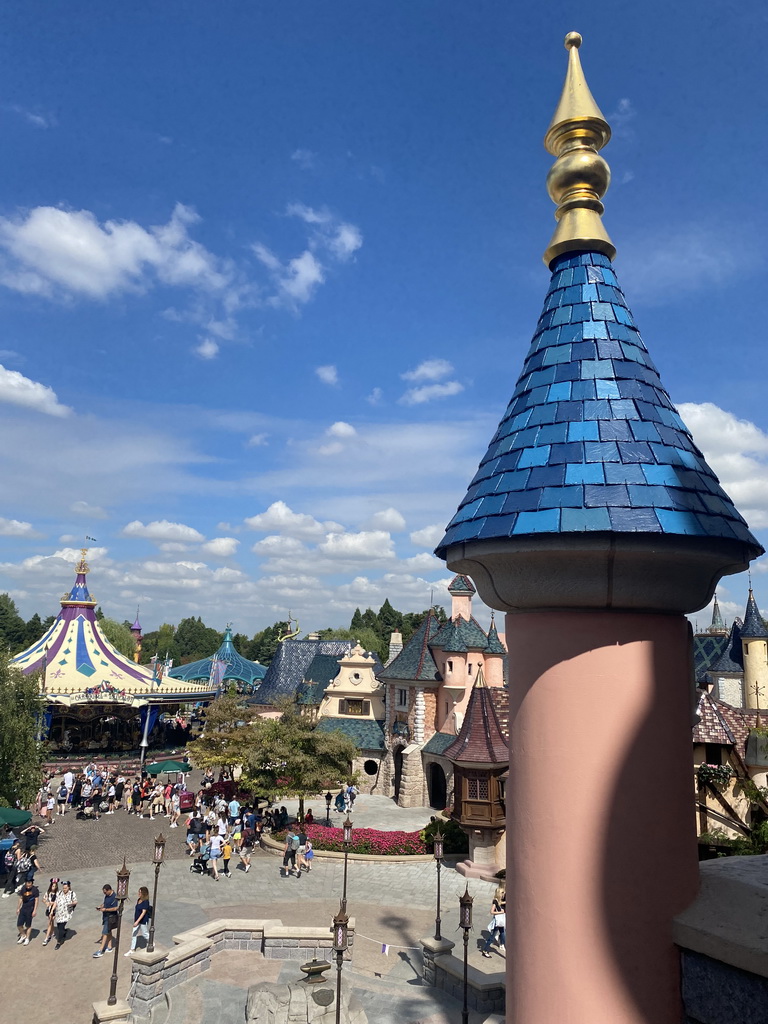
395	646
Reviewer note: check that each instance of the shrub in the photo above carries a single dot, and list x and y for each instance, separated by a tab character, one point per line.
364	840
455	839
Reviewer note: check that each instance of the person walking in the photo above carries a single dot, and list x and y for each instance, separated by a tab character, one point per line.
290	850
300	859
111	791
26	910
64	908
62	795
109	921
309	855
226	856
119	790
49	900
498	922
214	854
15	874
50	806
141	915
175	809
135	807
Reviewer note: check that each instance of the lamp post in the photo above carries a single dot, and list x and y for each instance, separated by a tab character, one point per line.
123	876
347	826
157	860
465	923
437	839
340	926
328	799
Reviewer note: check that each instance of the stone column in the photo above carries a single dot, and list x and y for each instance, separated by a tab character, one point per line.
419	711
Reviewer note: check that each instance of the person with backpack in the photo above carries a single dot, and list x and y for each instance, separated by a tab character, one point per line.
61	799
11	862
135	807
142	913
289	855
300	859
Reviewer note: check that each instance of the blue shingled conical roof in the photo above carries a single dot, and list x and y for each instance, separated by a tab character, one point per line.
590	441
239	669
754	627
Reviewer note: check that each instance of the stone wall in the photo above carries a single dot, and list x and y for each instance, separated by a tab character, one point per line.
154	974
444	970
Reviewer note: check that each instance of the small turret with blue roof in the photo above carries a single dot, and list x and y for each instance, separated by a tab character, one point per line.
247	674
591	461
754	628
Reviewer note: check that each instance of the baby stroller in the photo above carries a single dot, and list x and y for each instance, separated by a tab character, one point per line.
200	864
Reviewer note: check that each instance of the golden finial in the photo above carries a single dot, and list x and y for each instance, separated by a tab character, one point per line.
82	565
579	177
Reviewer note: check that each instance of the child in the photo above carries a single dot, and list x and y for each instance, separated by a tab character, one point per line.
226	853
309	855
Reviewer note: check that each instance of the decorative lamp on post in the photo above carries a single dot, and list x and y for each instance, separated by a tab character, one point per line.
157	860
437	840
465	923
328	799
347	840
340	933
123	877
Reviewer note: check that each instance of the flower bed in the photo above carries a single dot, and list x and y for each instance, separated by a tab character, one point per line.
364	840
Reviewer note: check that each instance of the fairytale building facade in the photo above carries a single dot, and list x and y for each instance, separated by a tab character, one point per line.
428	686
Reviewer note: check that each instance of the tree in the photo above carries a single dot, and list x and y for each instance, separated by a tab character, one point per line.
21	749
119	635
33	630
195	640
291	757
161	642
12	626
264	644
368	639
228	734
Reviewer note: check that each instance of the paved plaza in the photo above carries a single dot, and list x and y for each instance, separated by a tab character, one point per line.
392	904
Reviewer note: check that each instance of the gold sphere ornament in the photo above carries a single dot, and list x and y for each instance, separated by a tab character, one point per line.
572	39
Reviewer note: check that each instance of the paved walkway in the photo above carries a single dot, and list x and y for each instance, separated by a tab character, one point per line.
392	903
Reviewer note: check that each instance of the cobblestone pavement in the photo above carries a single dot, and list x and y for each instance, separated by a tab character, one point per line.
392	903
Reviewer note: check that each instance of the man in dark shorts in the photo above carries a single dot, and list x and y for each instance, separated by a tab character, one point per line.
27	909
108	910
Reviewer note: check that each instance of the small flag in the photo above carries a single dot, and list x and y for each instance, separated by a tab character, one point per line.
385	949
91	538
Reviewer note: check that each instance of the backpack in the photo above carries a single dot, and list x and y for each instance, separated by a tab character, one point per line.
9	858
295	842
63	793
24	863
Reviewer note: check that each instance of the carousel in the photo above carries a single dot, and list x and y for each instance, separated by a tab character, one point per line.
98	699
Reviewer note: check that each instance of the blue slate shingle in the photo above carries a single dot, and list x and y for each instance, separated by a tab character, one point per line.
590	440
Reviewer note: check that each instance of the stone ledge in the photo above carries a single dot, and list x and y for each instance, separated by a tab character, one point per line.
186	951
478	980
727	920
117	1014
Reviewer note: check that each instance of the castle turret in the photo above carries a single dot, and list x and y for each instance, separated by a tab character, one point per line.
595	522
754	646
136	632
461	590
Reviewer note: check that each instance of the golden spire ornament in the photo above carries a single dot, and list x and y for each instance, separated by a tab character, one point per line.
579	178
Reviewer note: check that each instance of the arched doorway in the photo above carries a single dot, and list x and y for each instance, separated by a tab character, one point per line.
438	786
398	776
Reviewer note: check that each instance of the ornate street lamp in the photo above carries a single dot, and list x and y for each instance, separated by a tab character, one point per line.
347	840
465	923
340	930
157	860
328	799
123	876
437	840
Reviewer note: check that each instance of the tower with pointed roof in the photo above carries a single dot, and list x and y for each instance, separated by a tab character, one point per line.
754	646
595	523
137	636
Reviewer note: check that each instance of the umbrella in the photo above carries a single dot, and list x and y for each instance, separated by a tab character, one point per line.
157	767
10	816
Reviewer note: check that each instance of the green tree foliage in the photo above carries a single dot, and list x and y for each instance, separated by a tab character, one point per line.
119	635
160	642
195	640
263	646
291	757
12	626
33	630
228	734
368	639
21	751
374	629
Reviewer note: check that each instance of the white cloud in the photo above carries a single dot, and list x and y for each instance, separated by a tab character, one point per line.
282	519
83	508
341	429
429	369
34	117
256	440
51	252
387	519
173	547
220	547
429	392
162	530
334	448
67	538
207	349
327	374
365	545
15	528
346	240
276	546
16	389
375	397
737	451
428	536
305	158
296	280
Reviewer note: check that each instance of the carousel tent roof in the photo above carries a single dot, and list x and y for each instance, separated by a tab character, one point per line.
238	668
81	665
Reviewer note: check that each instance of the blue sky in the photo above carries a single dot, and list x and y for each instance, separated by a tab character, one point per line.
268	273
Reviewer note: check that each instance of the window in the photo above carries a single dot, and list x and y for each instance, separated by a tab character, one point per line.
713	753
402	698
450	666
477	787
370	767
469	670
353	706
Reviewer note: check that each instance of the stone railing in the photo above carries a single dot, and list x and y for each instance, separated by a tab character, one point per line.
486	992
155	974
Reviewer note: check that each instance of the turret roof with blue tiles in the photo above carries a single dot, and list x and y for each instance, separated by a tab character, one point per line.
754	628
590	441
238	669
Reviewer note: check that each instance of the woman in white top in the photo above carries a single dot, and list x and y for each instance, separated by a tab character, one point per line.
215	853
63	909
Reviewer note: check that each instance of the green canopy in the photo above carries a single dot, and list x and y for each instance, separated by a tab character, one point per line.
157	767
10	816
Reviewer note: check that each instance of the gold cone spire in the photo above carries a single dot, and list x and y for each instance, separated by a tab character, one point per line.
579	177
